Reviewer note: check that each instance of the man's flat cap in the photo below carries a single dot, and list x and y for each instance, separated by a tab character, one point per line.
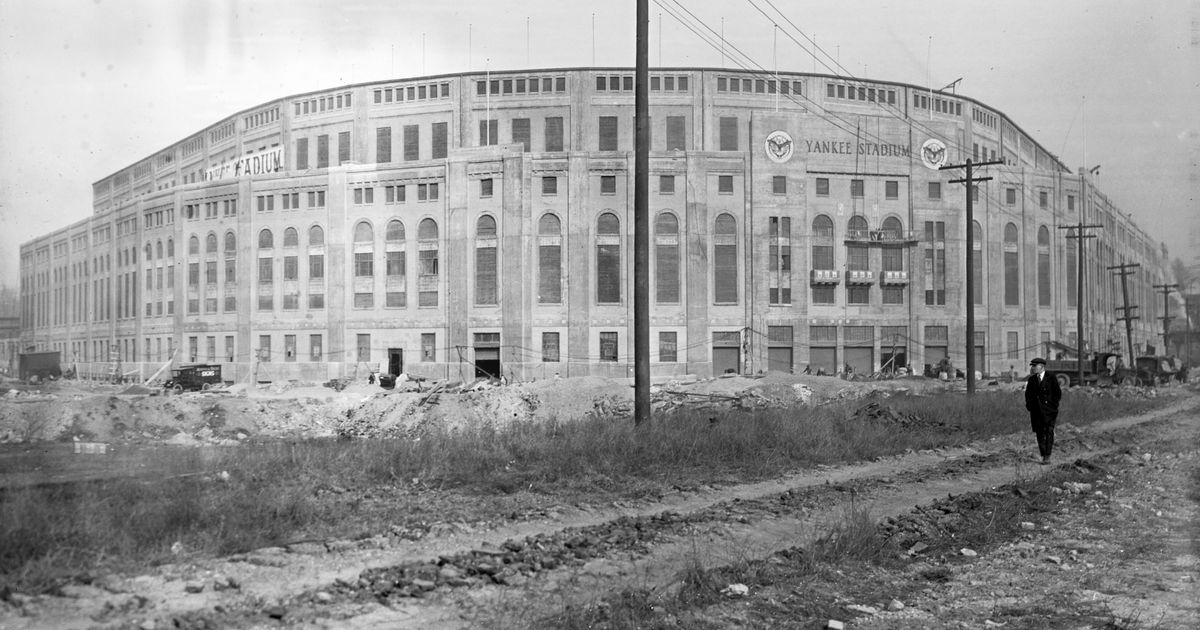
1037	361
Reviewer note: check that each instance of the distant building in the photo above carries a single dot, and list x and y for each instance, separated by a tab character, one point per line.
469	224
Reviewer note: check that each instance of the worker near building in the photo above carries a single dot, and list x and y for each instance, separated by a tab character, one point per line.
1042	395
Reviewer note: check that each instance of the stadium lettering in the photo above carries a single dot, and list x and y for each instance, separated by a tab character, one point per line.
862	148
266	162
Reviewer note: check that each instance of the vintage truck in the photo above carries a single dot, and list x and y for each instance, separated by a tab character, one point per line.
1099	368
194	378
43	365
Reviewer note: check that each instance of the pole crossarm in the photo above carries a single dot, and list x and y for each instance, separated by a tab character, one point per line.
1125	271
969	181
1166	318
1076	232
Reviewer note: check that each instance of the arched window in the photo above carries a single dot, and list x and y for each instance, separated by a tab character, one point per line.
485	261
158	249
266	240
210	244
822	247
857	258
194	245
230	260
171	247
363	234
395	232
893	257
725	289
316	236
666	258
266	264
1012	266
230	244
978	289
549	260
149	252
608	259
427	262
291	238
1043	263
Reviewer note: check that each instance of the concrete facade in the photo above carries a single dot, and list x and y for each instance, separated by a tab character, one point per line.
267	242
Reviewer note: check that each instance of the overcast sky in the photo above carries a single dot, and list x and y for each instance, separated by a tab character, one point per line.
91	86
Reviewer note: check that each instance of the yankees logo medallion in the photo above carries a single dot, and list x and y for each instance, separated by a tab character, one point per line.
933	153
779	146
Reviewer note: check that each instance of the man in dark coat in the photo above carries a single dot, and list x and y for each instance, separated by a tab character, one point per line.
1042	394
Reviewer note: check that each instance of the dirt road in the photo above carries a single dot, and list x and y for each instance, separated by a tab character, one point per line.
524	571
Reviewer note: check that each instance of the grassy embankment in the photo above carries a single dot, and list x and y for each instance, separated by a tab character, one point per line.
283	492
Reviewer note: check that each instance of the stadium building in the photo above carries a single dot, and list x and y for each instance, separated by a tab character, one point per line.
459	225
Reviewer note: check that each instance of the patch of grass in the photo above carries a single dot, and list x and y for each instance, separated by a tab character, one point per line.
283	491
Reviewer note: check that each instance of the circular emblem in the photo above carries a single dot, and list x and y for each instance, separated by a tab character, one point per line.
779	146
933	153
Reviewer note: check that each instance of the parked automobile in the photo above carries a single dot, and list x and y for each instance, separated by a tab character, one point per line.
194	378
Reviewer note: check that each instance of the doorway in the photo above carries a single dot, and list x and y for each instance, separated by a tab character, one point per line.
395	361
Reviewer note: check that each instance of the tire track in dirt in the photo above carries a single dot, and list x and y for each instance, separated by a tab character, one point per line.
270	580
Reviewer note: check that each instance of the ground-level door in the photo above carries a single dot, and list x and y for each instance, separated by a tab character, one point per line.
395	361
487	355
860	349
893	349
779	349
727	353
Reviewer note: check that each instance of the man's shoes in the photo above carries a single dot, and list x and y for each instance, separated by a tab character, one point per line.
1045	459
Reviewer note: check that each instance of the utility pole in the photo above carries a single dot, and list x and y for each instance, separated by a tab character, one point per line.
1166	317
1125	271
1076	232
641	221
970	181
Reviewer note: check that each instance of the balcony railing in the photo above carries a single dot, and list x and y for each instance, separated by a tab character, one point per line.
860	277
825	276
894	278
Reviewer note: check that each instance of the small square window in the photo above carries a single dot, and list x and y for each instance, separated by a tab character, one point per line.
822	186
1010	196
856	188
666	184
779	185
725	184
608	184
549	185
485	187
935	190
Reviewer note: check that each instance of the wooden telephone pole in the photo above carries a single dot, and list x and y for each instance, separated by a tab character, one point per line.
1125	271
1166	316
970	181
1075	232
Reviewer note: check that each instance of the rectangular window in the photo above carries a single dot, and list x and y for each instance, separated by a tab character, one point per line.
314	348
343	147
550	347
485	276
729	134
1071	203
893	295
363	343
856	188
364	264
935	190
554	133
608	184
395	299
440	139
891	189
316	301
668	347
779	185
1013	342
822	186
1012	288
485	187
549	273
264	348
1010	196
412	143
549	185
666	184
858	295
383	145
725	184
290	268
520	132
289	347
302	154
676	133
428	347
608	346
608	133
364	300
488	133
316	266
323	151
1043	199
